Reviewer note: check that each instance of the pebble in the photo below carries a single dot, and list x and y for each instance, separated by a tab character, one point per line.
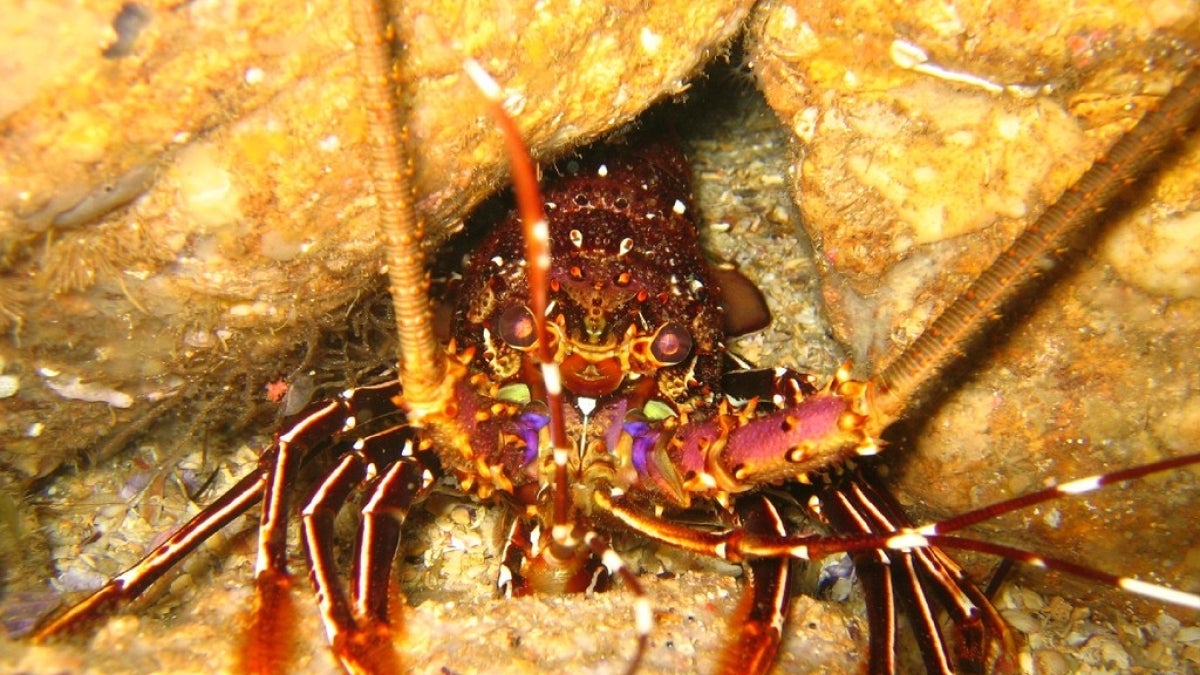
461	515
1050	662
9	385
1189	635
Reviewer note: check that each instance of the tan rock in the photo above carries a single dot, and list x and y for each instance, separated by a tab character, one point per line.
927	136
202	198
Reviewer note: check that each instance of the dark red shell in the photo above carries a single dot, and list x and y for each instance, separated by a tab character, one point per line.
625	252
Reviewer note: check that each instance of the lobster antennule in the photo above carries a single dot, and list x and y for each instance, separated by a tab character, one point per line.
739	545
537	255
565	540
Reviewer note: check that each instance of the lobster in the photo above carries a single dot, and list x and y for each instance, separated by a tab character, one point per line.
631	431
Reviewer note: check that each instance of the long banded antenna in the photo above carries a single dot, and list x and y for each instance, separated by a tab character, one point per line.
422	362
537	256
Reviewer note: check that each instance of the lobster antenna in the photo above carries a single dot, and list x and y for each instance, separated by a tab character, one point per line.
422	363
537	255
736	545
936	534
1074	487
1158	592
900	386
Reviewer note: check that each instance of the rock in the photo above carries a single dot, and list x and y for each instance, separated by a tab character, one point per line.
926	137
208	178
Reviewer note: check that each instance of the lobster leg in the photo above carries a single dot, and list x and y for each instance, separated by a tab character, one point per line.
917	577
766	598
306	430
923	615
737	544
405	483
132	582
270	626
517	547
642	611
359	632
874	573
317	521
975	619
270	634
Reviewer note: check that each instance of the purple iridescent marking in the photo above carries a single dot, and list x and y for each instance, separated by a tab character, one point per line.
528	426
612	433
644	440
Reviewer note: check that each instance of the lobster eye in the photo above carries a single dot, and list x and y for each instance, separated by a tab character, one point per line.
516	327
671	345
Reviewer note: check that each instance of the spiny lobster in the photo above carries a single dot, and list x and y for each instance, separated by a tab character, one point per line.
647	438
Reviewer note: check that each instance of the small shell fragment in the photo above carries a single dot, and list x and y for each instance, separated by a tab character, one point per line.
76	389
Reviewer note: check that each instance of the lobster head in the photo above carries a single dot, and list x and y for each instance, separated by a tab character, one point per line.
634	311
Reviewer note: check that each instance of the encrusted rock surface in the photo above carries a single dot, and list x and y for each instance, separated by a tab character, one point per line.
927	136
196	194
